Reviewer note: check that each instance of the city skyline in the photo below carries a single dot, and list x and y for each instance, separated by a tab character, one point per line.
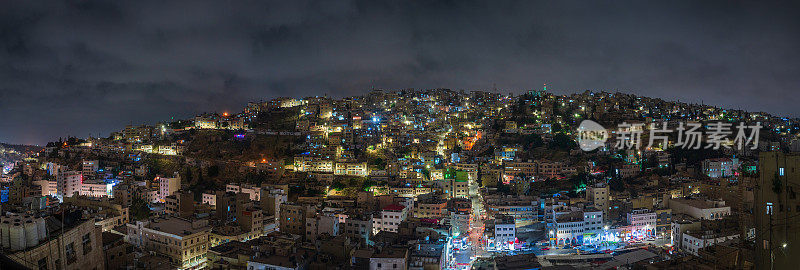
92	67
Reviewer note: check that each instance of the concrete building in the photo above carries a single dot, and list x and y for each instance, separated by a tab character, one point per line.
775	210
293	218
643	220
430	208
570	228
209	199
390	218
681	225
599	196
389	258
183	241
699	208
253	192
505	232
90	167
351	169
720	167
319	225
181	204
80	246
118	253
96	188
167	186
49	188
69	183
229	204
693	241
358	226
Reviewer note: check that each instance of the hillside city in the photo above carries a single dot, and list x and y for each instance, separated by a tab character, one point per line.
414	179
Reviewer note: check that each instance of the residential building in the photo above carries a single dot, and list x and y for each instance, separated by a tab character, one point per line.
183	241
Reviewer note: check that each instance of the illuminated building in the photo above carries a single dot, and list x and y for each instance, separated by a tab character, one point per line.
183	241
775	210
167	186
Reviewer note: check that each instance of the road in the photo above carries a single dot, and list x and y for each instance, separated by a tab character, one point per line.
464	258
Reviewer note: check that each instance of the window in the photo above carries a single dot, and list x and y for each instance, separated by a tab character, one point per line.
87	243
780	171
42	263
70	251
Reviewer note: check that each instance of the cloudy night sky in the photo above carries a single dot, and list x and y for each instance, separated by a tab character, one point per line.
91	67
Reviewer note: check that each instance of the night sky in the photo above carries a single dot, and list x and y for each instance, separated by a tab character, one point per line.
91	67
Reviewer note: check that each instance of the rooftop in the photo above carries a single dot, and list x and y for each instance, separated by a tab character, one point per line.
176	226
394	207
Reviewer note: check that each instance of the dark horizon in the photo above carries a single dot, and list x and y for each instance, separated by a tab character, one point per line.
91	67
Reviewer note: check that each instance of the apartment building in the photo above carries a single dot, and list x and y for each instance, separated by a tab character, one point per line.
183	241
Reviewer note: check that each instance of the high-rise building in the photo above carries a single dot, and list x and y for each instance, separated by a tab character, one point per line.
777	210
598	194
68	182
167	186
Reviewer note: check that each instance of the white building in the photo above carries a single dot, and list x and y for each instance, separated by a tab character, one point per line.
322	224
96	189
720	167
643	220
209	198
572	227
701	209
49	188
167	186
69	182
389	258
351	168
390	218
505	232
695	240
253	192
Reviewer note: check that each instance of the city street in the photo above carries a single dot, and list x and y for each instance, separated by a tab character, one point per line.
464	258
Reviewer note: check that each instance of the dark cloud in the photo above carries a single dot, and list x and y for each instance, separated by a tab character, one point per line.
81	67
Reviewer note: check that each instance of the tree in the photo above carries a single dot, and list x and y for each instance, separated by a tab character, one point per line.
368	184
777	185
503	188
426	173
579	181
616	184
533	141
378	162
338	186
563	142
140	210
